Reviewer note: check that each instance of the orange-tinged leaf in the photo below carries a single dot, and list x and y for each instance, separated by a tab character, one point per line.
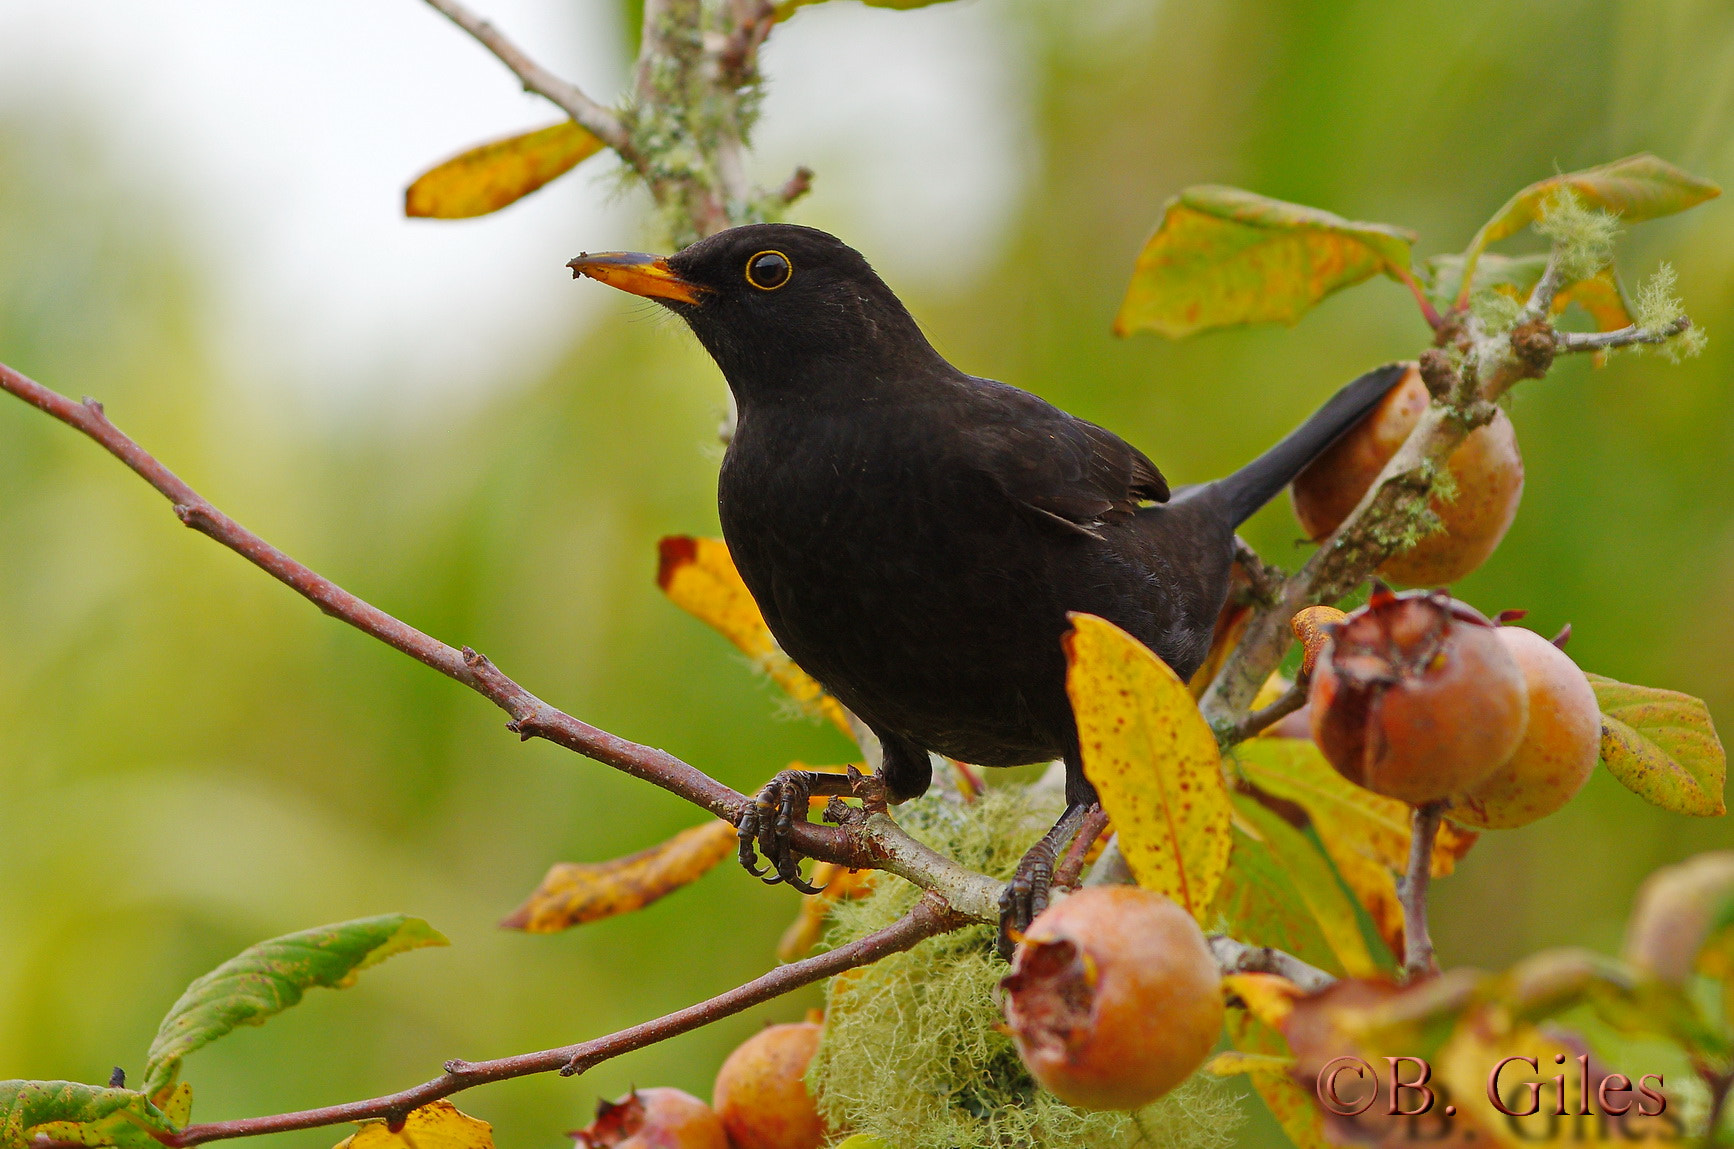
574	893
1258	904
1662	746
700	577
1223	256
1635	188
1366	835
492	175
1153	761
439	1125
1312	627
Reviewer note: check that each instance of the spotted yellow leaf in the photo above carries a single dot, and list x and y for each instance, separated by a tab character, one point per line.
574	893
1153	761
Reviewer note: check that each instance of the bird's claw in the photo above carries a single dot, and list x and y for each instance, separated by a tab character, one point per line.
1025	896
765	825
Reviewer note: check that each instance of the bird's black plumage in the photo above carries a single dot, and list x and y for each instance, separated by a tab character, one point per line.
915	536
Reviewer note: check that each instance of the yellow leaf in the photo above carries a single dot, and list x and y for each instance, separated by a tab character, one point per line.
1153	761
1223	256
700	577
488	177
574	893
440	1125
1231	1062
1266	996
1366	835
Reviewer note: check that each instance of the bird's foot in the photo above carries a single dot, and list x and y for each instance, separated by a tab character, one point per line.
1026	894
766	822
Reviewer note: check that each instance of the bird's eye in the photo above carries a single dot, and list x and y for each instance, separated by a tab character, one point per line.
769	270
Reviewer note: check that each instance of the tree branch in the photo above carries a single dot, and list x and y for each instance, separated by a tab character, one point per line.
865	843
1418	958
930	917
587	113
1292	700
1238	957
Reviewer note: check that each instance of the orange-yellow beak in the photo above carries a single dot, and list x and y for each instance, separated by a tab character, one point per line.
641	274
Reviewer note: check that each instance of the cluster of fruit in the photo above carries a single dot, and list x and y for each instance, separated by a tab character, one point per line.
1114	997
761	1102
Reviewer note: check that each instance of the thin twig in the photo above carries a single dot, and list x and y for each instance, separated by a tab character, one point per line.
930	917
1540	301
1238	957
1418	958
590	115
1292	700
1568	342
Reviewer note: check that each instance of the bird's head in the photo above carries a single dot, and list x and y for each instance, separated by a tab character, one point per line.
783	309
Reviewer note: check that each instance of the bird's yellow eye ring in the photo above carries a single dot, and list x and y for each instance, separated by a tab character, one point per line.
769	270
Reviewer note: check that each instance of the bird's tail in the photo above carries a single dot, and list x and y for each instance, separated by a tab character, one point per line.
1258	482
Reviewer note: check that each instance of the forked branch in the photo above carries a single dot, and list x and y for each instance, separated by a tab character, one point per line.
567	96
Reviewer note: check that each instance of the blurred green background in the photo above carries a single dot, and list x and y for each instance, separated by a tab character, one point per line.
192	758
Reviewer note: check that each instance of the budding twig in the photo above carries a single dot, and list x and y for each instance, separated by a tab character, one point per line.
930	917
588	114
1569	342
1418	958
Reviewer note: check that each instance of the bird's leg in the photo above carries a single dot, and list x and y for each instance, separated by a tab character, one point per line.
766	821
1026	895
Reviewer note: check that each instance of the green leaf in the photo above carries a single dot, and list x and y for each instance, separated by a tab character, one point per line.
1223	256
264	980
79	1114
1317	883
1153	761
1258	904
1636	188
490	176
1662	746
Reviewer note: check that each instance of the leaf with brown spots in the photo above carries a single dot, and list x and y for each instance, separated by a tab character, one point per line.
439	1125
1316	882
1366	835
700	577
492	175
574	893
1153	761
1662	747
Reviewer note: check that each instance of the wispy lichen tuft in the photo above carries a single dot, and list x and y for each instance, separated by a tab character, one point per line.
1583	237
1658	308
913	1053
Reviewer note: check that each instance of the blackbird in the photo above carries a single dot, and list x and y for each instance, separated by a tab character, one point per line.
915	536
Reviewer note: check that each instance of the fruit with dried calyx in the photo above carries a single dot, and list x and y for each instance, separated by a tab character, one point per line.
1416	697
653	1119
1560	745
1486	485
761	1094
1113	998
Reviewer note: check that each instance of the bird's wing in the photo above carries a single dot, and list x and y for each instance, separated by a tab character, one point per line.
1061	467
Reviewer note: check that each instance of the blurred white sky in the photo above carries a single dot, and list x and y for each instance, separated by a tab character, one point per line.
287	131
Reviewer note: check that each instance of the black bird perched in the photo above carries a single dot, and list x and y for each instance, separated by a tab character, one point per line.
915	536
